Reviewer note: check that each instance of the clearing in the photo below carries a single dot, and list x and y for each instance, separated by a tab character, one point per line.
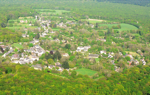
124	26
52	11
16	45
84	71
94	20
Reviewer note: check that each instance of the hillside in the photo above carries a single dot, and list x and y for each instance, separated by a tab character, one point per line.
74	47
22	80
135	2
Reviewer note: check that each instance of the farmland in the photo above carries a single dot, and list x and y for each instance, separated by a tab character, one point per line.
16	45
84	71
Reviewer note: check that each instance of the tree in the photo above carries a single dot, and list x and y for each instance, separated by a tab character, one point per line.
57	55
30	45
127	58
3	25
36	24
1	49
73	74
67	46
65	73
96	25
50	61
7	49
37	36
65	65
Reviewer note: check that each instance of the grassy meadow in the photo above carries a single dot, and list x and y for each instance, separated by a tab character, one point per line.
84	71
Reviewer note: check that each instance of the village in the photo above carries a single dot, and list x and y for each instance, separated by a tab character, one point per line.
36	50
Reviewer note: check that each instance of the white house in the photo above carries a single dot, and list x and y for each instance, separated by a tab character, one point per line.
65	54
102	52
85	48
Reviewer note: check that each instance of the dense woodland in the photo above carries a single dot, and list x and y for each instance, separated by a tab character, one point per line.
135	2
16	79
20	79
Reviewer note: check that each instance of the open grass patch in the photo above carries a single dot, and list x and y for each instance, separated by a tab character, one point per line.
55	29
93	20
124	26
84	71
59	12
16	45
133	53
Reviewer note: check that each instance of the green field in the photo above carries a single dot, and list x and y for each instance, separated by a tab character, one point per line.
84	71
93	20
16	45
51	11
124	26
55	29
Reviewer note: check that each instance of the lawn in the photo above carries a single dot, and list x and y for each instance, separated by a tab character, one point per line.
16	45
93	20
84	71
133	53
124	26
51	11
55	29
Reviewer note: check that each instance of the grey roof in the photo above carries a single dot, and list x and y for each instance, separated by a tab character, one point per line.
37	66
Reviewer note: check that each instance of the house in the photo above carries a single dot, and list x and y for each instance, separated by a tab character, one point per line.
37	67
130	56
103	40
30	24
57	40
44	34
102	52
117	69
79	49
85	48
113	62
120	53
52	32
34	58
51	66
24	35
22	21
92	26
65	54
36	17
10	51
15	56
136	62
60	69
1	42
46	31
110	56
15	61
64	41
3	47
143	61
93	55
57	64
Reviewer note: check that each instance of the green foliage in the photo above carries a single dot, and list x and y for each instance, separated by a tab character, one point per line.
73	74
71	58
127	58
30	45
67	46
50	61
65	65
57	55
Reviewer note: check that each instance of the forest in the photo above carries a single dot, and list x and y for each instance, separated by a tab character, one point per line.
135	2
16	79
92	76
